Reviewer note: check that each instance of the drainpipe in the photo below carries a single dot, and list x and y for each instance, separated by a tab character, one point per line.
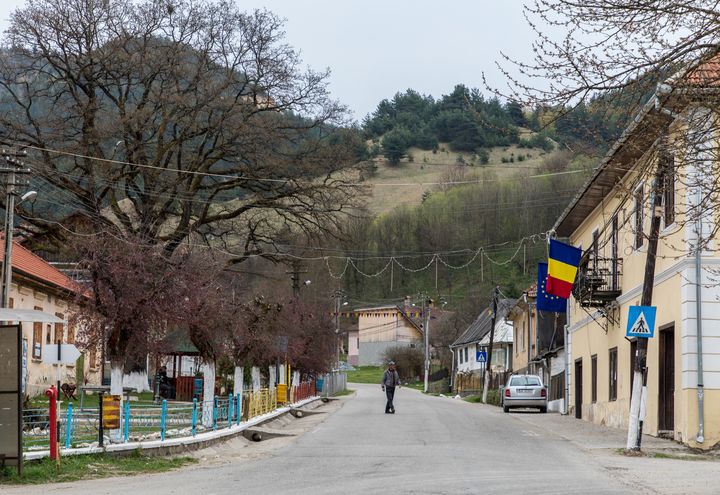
529	319
700	438
566	406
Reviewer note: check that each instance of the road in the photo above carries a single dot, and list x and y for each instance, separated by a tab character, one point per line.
432	445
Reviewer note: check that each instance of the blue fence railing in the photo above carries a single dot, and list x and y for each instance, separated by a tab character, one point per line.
144	421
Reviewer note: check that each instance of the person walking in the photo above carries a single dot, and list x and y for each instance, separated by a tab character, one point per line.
390	380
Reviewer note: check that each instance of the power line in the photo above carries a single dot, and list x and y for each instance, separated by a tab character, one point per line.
287	179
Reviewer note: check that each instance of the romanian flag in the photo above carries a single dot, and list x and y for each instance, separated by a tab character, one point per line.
562	268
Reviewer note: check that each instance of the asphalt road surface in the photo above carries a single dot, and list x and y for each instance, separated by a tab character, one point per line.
431	445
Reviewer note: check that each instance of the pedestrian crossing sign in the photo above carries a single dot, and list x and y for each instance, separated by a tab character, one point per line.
641	321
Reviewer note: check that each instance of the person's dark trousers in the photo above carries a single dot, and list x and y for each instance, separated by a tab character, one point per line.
390	393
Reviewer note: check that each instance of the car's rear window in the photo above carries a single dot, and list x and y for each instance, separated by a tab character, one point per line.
520	381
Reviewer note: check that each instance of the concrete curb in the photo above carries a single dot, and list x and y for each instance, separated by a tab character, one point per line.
174	445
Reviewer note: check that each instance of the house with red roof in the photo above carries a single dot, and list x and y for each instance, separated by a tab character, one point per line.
40	286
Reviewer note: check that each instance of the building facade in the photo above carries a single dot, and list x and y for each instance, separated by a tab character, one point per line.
467	368
610	221
383	327
39	286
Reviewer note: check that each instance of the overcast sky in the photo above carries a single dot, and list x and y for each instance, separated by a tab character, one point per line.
376	48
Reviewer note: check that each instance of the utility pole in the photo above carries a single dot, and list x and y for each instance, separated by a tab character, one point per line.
12	168
426	331
339	295
295	278
639	391
488	358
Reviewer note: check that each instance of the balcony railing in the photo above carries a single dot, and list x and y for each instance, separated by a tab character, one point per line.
598	282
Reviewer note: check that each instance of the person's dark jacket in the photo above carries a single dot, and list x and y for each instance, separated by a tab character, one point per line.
390	378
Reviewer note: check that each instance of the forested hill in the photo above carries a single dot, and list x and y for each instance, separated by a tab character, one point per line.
457	240
469	122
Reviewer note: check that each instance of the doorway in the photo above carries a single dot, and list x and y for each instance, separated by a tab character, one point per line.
578	389
666	399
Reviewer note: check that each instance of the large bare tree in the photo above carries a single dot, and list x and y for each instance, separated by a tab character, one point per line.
173	120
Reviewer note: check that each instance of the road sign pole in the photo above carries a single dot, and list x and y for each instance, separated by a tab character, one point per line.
635	424
101	430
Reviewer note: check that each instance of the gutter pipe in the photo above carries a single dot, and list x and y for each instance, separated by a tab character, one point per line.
700	438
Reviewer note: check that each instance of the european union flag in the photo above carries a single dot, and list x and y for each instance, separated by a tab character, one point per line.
545	300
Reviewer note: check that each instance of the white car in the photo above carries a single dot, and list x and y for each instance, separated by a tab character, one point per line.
524	391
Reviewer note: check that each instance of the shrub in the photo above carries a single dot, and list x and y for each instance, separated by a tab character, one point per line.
408	360
484	156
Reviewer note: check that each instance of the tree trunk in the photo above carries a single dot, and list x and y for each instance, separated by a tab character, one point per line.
283	379
255	373
271	377
238	378
116	388
137	380
208	371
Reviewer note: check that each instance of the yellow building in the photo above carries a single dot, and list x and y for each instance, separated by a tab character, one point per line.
610	220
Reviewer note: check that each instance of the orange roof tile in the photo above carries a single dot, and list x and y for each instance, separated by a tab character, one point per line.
23	260
707	74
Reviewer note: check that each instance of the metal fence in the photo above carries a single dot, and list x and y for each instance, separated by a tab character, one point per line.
332	383
144	421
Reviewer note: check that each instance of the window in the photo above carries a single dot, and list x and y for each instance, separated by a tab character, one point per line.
498	357
523	381
71	336
593	371
557	387
93	357
639	218
596	244
37	340
669	191
466	354
515	339
48	334
60	330
613	374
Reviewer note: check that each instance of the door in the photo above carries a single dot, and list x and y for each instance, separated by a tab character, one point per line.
578	388
666	399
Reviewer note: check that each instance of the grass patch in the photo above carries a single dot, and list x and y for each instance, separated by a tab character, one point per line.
493	398
415	385
79	467
347	391
90	402
366	374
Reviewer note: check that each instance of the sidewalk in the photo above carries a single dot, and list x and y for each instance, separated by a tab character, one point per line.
590	436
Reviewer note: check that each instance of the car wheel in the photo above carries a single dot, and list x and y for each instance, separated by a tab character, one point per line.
543	410
506	409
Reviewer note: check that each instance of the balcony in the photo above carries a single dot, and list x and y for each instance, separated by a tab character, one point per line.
598	281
